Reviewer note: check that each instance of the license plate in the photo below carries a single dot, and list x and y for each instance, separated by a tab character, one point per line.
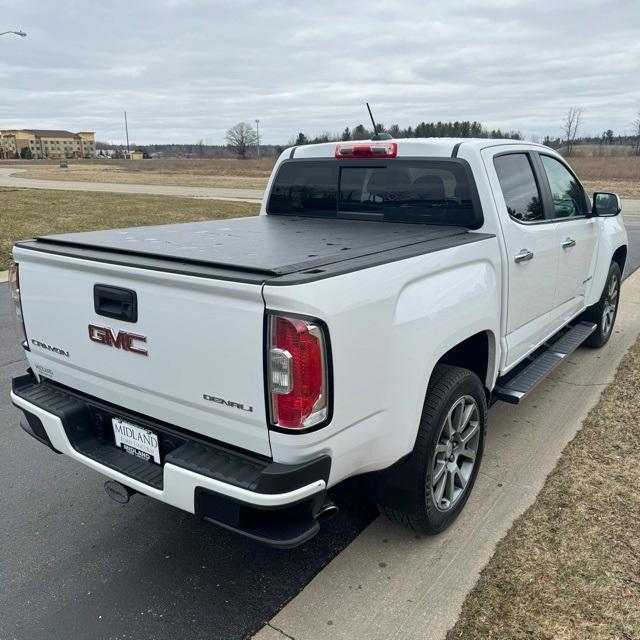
137	441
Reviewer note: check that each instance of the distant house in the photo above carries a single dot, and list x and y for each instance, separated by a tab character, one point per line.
47	143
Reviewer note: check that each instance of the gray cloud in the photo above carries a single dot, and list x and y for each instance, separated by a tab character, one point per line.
189	69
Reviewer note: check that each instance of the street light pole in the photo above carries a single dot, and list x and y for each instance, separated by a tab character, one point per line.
258	136
22	34
126	128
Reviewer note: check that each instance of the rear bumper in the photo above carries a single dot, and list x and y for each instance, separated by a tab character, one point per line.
263	500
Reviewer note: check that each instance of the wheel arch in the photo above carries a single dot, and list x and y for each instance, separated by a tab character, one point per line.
612	246
620	256
477	353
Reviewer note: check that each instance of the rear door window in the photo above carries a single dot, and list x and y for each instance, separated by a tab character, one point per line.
423	191
519	187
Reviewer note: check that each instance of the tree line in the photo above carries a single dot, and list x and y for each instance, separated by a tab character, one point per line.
456	129
242	139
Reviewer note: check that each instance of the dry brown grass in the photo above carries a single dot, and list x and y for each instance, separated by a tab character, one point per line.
214	172
25	213
620	175
569	567
599	150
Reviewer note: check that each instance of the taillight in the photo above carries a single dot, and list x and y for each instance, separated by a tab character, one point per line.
297	372
14	292
368	150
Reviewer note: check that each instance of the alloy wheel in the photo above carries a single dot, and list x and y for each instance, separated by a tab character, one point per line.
455	454
610	305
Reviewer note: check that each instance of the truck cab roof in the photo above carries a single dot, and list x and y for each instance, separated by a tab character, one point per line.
427	147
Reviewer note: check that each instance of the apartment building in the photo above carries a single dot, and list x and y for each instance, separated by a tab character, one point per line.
47	143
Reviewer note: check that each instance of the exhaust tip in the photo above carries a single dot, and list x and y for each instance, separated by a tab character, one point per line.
118	492
327	511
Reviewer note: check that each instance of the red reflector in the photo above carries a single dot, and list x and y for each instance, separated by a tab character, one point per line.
297	373
369	150
16	299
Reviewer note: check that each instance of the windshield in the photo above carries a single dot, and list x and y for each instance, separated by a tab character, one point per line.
398	190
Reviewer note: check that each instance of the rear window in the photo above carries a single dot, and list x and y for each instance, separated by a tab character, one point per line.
398	190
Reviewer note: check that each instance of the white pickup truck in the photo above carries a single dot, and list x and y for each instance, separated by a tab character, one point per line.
386	295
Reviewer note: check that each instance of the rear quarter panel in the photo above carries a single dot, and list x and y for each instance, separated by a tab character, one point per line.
388	327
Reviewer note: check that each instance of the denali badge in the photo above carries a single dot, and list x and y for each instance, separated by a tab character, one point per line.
119	339
48	347
227	403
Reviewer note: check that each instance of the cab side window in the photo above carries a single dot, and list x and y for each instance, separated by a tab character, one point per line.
519	187
566	192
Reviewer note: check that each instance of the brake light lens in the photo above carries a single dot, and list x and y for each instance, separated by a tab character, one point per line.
297	372
14	293
368	150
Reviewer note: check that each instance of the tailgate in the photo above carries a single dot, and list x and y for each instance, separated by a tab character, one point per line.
203	367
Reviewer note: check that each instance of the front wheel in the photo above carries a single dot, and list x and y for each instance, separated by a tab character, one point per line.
447	452
604	312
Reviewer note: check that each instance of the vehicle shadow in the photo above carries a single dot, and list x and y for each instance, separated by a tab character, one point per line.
147	570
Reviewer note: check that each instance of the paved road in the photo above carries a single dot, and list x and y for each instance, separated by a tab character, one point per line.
631	215
10	177
75	564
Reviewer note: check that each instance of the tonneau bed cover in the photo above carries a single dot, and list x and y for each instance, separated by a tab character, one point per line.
274	249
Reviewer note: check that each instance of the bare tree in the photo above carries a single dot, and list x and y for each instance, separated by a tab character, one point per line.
636	133
241	138
570	126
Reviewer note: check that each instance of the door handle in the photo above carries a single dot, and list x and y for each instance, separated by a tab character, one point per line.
569	242
523	256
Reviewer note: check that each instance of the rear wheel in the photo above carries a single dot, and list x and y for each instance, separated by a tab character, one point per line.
447	453
604	312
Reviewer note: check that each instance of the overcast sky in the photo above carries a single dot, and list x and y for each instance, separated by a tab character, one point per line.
189	69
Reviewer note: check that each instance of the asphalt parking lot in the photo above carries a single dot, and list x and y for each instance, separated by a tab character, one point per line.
75	564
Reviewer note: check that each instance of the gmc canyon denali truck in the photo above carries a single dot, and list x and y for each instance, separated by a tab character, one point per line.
386	295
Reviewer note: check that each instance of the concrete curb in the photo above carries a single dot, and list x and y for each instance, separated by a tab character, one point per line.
390	584
4	276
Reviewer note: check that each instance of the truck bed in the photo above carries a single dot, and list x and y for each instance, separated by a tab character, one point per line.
260	249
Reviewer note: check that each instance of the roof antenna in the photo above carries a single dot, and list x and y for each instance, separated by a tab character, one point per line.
377	135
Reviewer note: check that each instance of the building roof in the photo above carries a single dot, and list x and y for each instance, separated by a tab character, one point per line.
51	133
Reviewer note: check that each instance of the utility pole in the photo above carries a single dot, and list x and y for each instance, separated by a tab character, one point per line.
258	136
126	129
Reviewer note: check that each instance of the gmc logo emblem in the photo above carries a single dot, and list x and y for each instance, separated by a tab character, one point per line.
120	339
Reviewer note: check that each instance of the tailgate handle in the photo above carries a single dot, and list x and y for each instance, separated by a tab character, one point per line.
115	302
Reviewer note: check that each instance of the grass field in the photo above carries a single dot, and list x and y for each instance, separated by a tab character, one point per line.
619	174
248	174
26	213
570	565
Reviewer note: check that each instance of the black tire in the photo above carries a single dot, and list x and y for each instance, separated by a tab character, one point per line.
598	312
447	388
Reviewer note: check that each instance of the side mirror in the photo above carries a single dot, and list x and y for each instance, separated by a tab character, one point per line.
606	204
